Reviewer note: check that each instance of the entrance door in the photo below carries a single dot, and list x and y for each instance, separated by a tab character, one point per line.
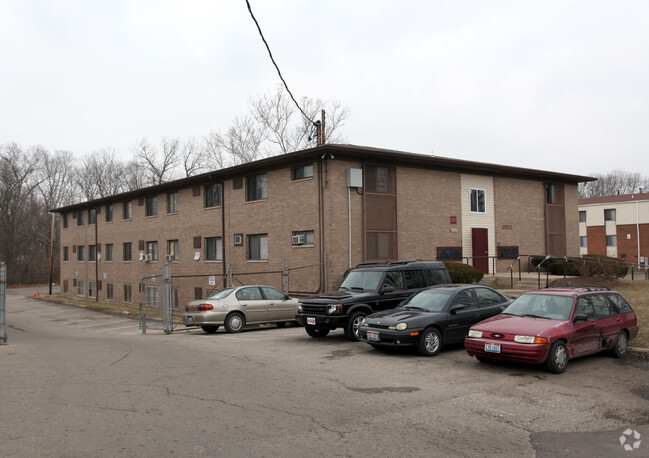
480	244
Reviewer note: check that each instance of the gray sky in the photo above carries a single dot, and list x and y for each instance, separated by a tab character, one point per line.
554	85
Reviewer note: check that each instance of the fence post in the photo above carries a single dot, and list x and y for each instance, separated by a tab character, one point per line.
166	298
3	290
285	275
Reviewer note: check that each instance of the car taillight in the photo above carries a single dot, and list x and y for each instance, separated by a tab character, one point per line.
205	307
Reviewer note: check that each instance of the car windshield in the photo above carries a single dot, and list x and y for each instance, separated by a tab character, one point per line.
221	294
431	301
541	306
359	280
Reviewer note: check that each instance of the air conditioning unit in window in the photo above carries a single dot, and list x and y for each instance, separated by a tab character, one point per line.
148	257
298	239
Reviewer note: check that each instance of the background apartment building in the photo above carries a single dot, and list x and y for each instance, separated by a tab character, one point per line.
616	226
319	211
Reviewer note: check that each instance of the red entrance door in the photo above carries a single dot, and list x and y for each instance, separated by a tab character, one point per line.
480	244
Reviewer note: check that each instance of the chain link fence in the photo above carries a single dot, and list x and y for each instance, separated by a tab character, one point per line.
3	292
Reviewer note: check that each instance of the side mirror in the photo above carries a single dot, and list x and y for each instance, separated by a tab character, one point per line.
287	297
387	289
580	318
455	308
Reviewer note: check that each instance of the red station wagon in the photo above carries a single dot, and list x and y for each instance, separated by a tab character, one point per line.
554	325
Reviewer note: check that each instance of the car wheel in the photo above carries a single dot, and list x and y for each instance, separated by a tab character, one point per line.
281	324
557	361
235	322
351	329
621	345
317	331
210	329
430	342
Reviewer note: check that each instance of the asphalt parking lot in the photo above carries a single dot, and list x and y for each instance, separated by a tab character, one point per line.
78	382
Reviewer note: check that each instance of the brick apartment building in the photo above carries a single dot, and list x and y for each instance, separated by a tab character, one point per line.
322	209
616	226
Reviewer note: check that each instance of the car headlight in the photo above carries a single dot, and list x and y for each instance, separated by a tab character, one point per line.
530	339
474	333
334	309
299	308
401	326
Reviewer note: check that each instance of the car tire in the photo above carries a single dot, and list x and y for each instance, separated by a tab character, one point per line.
557	361
235	322
621	346
281	324
354	322
210	328
317	332
430	342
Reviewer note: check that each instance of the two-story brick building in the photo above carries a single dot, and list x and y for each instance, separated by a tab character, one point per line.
616	226
322	209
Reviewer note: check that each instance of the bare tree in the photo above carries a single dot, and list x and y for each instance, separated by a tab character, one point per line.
241	143
193	157
100	175
160	164
614	183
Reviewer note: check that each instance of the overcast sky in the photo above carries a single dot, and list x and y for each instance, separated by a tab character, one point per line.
554	85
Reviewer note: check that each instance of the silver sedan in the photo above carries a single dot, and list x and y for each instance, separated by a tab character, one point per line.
236	307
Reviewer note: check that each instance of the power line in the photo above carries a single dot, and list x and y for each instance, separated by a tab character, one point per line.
275	64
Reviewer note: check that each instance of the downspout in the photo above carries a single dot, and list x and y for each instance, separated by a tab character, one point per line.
637	228
225	274
96	259
321	224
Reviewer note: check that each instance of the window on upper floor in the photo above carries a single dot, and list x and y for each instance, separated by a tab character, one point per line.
127	251
65	253
213	249
212	195
127	212
611	240
65	220
300	238
582	216
152	250
583	241
81	253
302	172
609	214
172	202
151	206
109	252
478	200
109	213
256	188
173	249
550	194
80	219
92	252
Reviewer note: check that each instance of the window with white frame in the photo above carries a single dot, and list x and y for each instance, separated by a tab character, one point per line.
81	288
257	247
213	249
611	240
478	200
300	238
582	216
583	241
609	214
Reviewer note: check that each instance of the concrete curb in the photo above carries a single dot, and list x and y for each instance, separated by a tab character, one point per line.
639	352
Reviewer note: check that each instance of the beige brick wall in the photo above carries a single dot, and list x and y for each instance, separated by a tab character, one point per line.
572	219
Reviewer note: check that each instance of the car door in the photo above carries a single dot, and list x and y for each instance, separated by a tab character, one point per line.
253	304
608	319
459	321
490	302
586	338
393	291
279	308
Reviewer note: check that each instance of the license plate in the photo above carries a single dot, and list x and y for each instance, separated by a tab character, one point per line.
310	320
492	347
373	336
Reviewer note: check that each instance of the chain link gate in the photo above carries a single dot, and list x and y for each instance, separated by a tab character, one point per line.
156	296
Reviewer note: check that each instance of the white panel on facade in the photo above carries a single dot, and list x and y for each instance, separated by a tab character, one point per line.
471	219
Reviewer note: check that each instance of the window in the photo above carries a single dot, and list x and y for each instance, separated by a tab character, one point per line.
212	195
151	208
110	293
583	241
213	249
152	296
302	238
109	252
622	305
152	250
257	247
487	297
302	172
109	213
550	194
601	307
65	220
477	197
92	216
379	179
172	202
447	253
582	216
415	279
611	240
126	256
249	294
172	249
127	210
256	188
65	253
272	294
92	252
394	279
465	298
80	218
609	215
65	286
81	253
127	293
81	288
92	289
507	252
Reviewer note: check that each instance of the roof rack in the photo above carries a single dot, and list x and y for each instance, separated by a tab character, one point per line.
588	288
376	263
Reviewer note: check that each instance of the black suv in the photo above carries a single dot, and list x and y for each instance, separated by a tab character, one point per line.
368	288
